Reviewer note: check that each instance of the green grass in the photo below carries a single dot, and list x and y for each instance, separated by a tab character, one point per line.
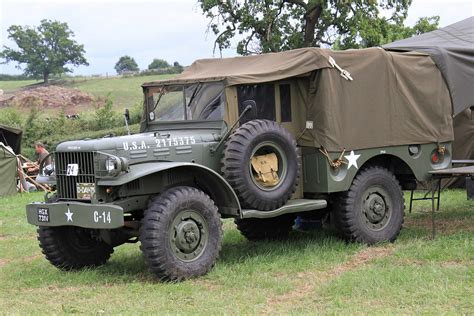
125	91
306	274
8	86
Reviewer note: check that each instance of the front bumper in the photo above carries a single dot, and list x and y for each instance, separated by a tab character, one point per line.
98	216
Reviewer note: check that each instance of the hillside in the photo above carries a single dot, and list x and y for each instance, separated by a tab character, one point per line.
124	91
99	103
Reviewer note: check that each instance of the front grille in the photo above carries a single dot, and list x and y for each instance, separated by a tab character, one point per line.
67	185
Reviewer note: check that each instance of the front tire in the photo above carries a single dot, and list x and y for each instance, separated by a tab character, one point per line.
181	234
372	210
72	248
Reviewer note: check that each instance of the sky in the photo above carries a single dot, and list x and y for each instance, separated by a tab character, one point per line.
174	30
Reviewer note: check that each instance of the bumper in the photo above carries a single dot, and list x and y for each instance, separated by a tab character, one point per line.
99	216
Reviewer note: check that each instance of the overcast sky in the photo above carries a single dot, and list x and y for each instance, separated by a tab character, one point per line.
174	30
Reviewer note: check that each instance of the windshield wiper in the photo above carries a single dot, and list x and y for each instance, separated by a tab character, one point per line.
162	92
198	87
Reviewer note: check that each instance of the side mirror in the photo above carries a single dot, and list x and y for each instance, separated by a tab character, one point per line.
249	110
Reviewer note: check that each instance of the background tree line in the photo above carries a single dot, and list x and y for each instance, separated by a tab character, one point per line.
260	26
127	64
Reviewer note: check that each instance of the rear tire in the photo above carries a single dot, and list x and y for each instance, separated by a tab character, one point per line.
72	248
265	229
181	234
372	210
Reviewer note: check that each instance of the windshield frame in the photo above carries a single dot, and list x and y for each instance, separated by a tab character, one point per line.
150	105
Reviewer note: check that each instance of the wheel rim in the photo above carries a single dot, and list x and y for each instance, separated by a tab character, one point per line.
377	208
188	235
269	147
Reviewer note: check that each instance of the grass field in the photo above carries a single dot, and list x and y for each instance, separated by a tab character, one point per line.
125	91
309	273
8	86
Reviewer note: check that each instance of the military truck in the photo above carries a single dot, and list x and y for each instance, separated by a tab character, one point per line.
261	139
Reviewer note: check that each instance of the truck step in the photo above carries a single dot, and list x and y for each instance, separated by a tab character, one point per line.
292	206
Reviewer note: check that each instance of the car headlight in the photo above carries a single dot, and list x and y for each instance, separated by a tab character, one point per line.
113	165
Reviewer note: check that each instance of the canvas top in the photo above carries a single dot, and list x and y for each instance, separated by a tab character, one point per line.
395	98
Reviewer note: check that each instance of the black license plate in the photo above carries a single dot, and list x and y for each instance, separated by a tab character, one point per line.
43	215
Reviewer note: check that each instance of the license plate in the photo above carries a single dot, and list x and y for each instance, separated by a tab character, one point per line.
85	191
43	215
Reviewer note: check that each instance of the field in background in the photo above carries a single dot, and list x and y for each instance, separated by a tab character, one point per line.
309	273
125	91
8	86
96	118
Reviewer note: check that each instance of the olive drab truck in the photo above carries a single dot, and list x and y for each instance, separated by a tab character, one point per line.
261	139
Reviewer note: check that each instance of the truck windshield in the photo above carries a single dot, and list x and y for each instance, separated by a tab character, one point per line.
201	101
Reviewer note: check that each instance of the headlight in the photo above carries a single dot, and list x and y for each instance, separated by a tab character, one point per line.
113	166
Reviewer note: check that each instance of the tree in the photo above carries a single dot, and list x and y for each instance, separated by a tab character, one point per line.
177	67
125	64
276	25
45	50
377	33
158	64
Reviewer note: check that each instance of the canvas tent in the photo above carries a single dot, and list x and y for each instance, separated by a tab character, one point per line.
10	136
10	144
8	170
394	98
452	49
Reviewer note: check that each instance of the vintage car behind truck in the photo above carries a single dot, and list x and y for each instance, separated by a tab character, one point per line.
261	139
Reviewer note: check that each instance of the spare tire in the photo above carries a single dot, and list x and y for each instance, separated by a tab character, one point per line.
267	143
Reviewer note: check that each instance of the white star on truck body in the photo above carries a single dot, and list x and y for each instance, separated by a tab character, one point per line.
352	160
69	215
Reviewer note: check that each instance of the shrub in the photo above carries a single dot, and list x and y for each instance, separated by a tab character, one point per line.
11	117
105	117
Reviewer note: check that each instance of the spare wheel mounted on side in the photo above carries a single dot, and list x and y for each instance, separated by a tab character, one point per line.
261	162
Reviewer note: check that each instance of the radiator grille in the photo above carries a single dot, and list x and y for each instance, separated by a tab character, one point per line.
67	185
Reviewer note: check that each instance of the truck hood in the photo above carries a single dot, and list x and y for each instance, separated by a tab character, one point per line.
174	145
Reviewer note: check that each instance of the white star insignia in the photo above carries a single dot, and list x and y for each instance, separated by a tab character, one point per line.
352	160
69	215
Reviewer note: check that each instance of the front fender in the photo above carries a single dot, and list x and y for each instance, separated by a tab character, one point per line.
209	181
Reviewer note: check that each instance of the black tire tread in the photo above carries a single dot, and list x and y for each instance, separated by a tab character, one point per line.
58	251
232	162
344	214
155	220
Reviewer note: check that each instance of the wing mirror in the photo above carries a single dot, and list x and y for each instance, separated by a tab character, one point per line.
250	110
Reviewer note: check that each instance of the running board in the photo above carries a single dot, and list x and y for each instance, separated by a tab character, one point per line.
293	206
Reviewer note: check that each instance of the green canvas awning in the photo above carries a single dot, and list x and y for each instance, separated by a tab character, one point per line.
11	137
8	170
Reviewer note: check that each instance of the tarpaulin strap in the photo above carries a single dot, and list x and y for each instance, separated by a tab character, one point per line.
334	163
344	73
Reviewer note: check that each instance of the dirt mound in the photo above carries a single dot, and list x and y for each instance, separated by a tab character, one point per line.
47	97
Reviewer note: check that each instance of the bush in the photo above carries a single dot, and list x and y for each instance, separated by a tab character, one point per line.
11	117
105	117
52	129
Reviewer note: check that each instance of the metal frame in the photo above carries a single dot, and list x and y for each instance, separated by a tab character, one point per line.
435	188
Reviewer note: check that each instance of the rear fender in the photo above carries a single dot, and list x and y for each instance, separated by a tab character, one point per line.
204	178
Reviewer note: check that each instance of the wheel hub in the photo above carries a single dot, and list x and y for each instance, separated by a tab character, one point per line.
376	210
188	235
